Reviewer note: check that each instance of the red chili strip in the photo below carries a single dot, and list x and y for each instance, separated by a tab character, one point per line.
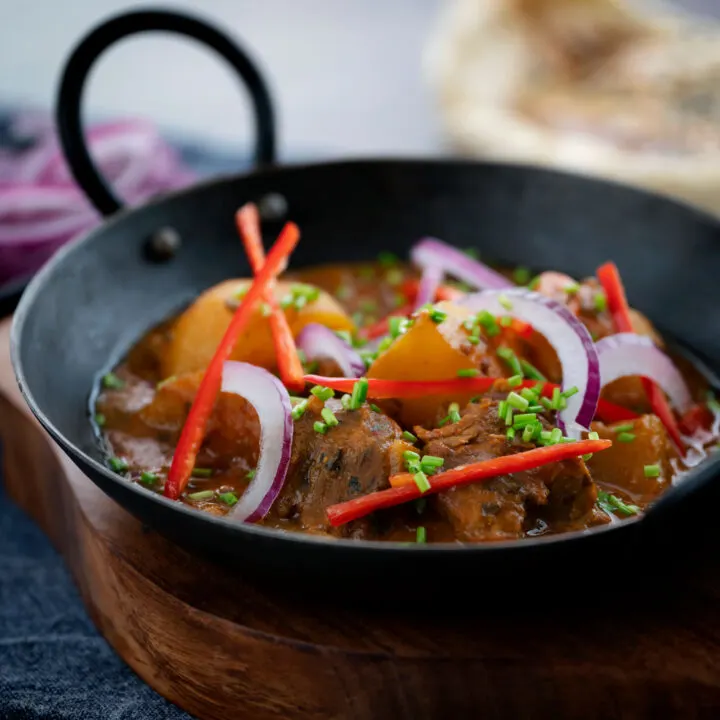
290	367
506	465
193	430
609	278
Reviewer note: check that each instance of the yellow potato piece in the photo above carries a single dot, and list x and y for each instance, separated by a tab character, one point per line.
198	331
429	351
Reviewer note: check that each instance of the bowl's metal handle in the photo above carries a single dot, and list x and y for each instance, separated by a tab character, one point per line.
77	68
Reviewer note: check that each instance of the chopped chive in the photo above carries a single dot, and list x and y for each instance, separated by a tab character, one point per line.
570	392
343	292
545	436
368	357
506	321
502	408
437	316
611	503
524	419
625	437
201	472
556	436
299	410
627	427
546	403
510	434
430	464
165	382
409	437
329	417
345	335
504	300
488	323
509	415
529	394
375	408
149	479
531	371
387	259
111	381
572	289
535	408
515	380
468	373
651	471
528	432
100	419
359	393
521	275
251	474
118	464
556	398
346	401
421	481
320	427
454	412
473	340
394	277
394	324
475	399
411	455
311	367
600	302
517	401
202	495
533	284
229	498
420	505
593	436
322	393
421	535
510	359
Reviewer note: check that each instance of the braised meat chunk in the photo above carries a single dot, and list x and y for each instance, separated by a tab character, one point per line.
506	507
353	458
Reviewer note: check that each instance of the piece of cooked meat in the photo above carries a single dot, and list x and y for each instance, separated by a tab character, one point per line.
354	458
561	494
622	465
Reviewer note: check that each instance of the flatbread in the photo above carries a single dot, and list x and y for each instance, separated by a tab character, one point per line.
592	86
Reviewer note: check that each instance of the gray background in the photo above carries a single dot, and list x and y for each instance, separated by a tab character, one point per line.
347	74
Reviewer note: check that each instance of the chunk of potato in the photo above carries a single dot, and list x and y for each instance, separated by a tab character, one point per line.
622	465
198	331
432	351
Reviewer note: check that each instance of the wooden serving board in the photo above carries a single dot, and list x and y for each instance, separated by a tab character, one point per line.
221	647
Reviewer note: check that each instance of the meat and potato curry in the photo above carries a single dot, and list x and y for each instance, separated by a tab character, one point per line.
434	400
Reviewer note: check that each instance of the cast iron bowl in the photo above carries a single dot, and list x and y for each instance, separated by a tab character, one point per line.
101	293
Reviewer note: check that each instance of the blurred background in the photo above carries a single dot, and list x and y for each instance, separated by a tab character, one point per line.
354	77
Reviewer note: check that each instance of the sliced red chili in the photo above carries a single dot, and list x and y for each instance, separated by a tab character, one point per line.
290	367
193	430
505	465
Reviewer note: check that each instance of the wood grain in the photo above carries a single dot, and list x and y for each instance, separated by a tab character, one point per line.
220	647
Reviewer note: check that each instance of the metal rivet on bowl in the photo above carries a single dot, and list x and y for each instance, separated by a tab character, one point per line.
272	206
163	244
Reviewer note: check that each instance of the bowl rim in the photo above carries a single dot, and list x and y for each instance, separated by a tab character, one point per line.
710	466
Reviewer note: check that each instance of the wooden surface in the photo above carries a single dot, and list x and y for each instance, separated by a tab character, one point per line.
220	647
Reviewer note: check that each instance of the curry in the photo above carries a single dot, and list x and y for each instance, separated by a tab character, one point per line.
435	400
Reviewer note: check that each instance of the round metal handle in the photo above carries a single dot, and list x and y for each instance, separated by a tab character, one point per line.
80	62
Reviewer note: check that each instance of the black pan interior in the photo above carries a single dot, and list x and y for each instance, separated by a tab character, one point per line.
101	293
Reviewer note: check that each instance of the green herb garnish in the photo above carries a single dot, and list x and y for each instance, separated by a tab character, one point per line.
229	498
421	535
409	437
468	373
329	417
202	495
322	393
118	464
111	381
611	503
651	471
149	479
201	472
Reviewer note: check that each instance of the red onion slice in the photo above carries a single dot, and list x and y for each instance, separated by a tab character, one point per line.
628	354
432	253
272	403
318	341
568	336
429	282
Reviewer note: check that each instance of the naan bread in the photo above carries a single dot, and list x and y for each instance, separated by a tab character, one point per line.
592	86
